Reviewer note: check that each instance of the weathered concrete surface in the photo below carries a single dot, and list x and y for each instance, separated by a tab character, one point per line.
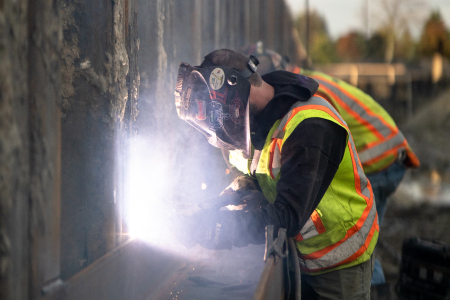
29	147
14	151
45	136
99	105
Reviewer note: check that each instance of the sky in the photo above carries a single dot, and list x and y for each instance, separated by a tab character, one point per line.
344	15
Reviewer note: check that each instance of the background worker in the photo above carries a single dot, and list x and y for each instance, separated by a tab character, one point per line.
382	148
302	156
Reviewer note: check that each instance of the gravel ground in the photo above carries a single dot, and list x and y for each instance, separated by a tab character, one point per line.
404	219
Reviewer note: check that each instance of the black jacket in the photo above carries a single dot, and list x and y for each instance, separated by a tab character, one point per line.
310	158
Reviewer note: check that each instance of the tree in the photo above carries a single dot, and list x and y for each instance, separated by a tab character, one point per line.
434	37
406	48
351	47
375	47
393	18
321	47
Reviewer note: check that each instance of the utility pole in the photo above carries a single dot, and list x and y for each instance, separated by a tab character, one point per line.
307	26
308	59
368	18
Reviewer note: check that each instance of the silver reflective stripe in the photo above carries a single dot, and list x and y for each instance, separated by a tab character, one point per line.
276	164
309	230
312	101
378	150
255	161
357	108
346	249
278	134
362	176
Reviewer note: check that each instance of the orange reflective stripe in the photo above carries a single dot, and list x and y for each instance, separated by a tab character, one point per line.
392	151
296	70
317	107
355	115
279	143
355	255
368	111
414	160
376	143
271	151
317	222
298	237
325	97
357	178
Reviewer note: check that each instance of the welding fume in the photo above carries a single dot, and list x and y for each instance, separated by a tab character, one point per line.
295	167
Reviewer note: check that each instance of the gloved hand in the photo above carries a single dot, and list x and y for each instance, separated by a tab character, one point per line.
210	228
242	182
251	199
236	200
228	198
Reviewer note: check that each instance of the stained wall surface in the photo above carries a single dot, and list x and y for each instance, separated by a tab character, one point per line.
30	98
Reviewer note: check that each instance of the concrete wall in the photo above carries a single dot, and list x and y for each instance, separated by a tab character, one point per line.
76	60
30	99
99	106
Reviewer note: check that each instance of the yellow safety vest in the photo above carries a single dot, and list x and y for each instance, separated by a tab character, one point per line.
343	229
377	138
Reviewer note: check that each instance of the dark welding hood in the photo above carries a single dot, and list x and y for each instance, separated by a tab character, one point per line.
215	100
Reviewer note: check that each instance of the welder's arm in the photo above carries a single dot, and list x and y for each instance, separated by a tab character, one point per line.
310	158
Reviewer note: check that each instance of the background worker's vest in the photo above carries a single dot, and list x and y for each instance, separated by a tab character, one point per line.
377	138
343	229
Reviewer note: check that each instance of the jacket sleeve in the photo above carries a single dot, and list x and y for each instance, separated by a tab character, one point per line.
310	158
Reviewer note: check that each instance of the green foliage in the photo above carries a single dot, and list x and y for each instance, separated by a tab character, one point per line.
375	47
435	36
406	49
351	47
356	47
321	47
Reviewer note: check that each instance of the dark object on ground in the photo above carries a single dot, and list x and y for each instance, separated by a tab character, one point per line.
424	270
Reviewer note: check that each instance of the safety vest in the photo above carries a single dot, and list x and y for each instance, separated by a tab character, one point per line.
343	229
377	138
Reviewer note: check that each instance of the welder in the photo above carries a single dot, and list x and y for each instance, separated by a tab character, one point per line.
301	155
383	150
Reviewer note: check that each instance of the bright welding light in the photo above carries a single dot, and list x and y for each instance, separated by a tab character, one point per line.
147	193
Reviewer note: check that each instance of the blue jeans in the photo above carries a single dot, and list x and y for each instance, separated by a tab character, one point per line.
384	184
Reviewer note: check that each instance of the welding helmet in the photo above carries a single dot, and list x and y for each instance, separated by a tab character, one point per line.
269	61
215	101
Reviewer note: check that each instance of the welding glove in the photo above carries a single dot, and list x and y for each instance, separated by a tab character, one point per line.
252	199
210	228
242	182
